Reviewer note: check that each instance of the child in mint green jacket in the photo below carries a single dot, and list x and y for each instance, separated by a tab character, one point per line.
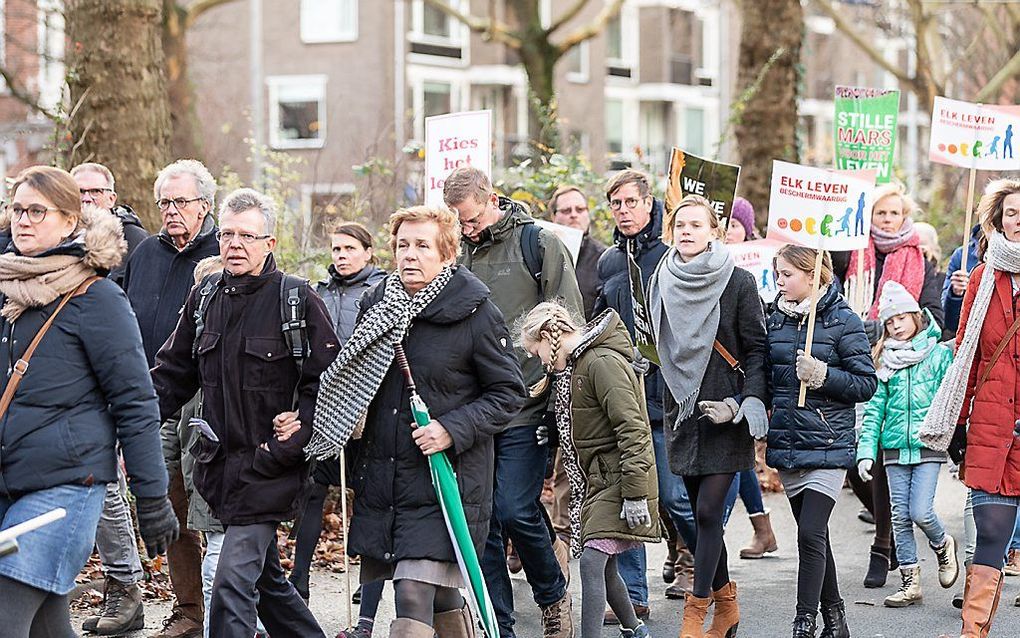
910	363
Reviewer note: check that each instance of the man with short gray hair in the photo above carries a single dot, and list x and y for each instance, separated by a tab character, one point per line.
259	383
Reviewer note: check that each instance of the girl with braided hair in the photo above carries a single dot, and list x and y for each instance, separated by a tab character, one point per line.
606	443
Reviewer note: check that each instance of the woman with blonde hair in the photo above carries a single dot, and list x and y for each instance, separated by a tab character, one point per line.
603	428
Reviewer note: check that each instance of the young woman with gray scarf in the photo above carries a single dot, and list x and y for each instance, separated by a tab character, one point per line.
710	336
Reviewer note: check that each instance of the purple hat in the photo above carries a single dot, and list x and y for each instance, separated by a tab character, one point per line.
743	213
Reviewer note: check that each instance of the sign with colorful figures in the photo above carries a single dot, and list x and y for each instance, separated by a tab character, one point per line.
756	257
811	206
979	136
865	129
454	140
693	175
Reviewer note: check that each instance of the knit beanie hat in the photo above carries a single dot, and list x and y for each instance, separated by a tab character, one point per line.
743	213
895	300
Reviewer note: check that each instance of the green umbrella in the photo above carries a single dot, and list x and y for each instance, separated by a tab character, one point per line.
445	482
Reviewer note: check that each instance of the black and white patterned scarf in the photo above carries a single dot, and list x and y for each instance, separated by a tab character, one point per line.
349	384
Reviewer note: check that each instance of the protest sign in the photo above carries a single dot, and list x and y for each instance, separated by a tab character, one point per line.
571	237
693	175
865	129
756	258
818	207
644	336
978	136
454	140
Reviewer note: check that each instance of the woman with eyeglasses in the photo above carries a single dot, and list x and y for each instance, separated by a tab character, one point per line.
81	391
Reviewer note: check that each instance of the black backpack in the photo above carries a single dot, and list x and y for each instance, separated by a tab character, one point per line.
532	250
293	300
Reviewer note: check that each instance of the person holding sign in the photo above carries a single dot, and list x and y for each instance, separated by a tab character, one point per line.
976	412
814	446
710	336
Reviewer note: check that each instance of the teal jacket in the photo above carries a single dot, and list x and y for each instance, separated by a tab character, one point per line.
894	415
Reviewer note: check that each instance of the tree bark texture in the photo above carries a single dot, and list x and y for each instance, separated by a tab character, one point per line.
120	113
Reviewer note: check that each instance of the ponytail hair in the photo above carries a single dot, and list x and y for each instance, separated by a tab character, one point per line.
548	320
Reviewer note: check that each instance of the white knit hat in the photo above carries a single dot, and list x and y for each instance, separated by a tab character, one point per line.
895	300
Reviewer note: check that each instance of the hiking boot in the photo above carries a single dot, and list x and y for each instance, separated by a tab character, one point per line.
177	625
949	567
910	589
121	611
643	612
641	631
804	626
727	613
878	568
834	619
764	540
1013	563
556	620
695	610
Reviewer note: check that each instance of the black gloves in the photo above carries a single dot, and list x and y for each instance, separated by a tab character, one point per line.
547	434
157	524
958	444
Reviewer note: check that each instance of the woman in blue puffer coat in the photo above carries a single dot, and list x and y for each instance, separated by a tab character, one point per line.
814	446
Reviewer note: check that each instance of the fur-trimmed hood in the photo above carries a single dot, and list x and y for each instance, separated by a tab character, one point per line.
98	239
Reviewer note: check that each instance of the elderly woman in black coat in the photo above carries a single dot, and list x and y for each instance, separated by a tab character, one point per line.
461	356
710	335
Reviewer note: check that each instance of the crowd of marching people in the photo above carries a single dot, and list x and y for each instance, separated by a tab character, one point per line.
228	397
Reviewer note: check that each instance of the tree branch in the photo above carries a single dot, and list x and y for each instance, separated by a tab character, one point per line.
592	29
990	92
496	30
569	15
197	8
855	36
23	96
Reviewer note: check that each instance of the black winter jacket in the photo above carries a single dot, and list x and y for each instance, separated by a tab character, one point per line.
647	249
134	234
465	369
342	296
587	271
247	376
158	278
821	434
87	388
697	446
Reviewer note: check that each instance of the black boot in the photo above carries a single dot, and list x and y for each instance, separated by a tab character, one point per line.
894	563
834	619
804	626
878	569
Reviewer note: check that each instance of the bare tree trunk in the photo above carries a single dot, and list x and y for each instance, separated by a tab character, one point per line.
767	129
539	57
185	140
115	76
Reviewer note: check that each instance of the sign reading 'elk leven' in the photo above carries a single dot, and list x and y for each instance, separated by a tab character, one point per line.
978	136
865	129
811	206
452	141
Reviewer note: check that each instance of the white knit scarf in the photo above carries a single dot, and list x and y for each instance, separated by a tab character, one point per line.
944	412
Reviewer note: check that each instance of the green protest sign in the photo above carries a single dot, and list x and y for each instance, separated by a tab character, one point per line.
865	129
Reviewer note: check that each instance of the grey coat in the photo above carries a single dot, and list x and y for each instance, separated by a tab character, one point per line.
342	296
178	437
696	446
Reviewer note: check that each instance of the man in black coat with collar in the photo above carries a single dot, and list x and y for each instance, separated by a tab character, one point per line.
258	401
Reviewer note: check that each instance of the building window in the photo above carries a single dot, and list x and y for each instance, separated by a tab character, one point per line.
329	21
614	126
694	130
297	111
614	40
620	45
577	62
437	24
436	98
435	33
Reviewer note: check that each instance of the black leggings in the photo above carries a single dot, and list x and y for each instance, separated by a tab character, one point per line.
35	613
420	601
995	523
816	571
708	497
874	496
308	534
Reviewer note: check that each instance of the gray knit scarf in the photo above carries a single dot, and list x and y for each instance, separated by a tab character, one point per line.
349	384
683	300
898	355
939	423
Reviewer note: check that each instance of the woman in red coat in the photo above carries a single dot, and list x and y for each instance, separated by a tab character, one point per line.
983	389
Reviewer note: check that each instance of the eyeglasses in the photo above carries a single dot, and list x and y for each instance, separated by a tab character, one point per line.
580	210
227	236
35	213
94	192
630	202
177	202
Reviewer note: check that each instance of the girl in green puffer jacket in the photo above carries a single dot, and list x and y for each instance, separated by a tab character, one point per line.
910	364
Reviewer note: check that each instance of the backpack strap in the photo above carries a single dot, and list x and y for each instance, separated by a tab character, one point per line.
293	298
532	250
207	288
998	351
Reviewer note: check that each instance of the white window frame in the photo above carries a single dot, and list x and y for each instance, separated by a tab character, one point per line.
458	35
350	35
275	84
584	75
420	76
629	35
50	48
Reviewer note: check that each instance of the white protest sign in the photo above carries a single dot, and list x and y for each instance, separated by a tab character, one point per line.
978	136
454	140
811	206
571	237
756	258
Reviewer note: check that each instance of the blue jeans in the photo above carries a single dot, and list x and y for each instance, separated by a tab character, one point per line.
633	564
517	513
912	497
51	556
750	492
1015	543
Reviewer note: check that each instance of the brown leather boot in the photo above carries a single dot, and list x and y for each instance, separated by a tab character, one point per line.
764	540
695	610
455	624
983	588
727	613
408	628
